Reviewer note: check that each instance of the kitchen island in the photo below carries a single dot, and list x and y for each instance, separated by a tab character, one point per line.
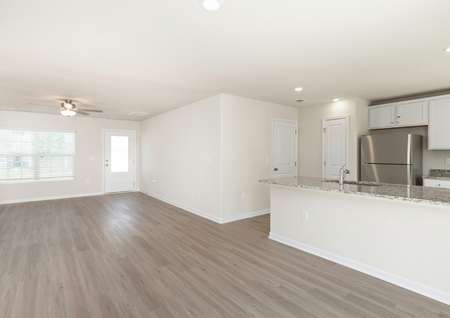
398	233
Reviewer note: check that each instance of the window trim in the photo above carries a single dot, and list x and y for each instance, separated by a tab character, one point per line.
19	181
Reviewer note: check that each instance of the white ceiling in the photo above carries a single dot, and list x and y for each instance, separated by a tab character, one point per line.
150	56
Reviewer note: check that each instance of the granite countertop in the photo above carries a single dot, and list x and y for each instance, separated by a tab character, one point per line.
437	178
418	194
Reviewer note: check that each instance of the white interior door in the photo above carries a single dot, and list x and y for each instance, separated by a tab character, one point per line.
335	140
120	160
284	148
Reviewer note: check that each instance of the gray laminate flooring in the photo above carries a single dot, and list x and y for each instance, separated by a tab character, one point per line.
128	255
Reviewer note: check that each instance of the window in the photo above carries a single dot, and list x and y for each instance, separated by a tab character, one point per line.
36	155
119	153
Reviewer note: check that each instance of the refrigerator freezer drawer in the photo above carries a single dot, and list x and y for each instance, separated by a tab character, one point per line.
386	173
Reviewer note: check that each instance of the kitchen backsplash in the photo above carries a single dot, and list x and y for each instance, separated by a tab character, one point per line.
439	173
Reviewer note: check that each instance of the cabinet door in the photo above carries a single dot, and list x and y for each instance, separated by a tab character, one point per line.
381	116
414	113
439	126
436	183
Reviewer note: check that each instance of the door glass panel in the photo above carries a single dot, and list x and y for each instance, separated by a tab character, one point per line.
119	153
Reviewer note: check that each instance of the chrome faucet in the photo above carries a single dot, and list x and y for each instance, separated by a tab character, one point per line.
342	172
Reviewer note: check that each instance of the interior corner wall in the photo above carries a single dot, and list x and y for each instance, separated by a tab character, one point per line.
181	157
88	155
246	154
207	157
310	134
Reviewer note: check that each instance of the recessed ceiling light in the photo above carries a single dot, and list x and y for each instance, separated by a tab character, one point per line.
447	50
212	5
298	89
336	100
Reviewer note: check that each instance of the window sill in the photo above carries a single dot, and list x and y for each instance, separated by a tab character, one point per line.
37	181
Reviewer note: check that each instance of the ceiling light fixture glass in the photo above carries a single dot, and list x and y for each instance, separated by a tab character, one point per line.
212	5
67	105
68	112
447	50
298	89
335	100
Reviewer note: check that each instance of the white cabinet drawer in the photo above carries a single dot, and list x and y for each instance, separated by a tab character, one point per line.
436	183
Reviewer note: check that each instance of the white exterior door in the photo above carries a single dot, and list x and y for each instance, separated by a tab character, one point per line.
284	148
120	160
335	132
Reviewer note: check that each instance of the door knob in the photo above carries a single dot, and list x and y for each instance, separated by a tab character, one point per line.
275	169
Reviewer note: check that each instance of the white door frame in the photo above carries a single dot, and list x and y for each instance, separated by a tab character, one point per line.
289	121
347	140
119	131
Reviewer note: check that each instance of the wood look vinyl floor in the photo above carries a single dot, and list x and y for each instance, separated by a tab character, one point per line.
128	255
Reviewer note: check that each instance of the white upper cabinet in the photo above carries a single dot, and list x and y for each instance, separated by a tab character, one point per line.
412	113
401	114
439	128
381	116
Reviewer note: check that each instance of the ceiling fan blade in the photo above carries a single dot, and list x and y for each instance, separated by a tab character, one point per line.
81	112
91	110
41	105
65	100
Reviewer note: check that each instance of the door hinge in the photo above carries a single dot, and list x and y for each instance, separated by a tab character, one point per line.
295	163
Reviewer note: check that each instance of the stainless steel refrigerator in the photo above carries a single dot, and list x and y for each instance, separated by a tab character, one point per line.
391	158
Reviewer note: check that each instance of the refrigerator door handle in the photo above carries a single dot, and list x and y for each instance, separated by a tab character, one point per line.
408	156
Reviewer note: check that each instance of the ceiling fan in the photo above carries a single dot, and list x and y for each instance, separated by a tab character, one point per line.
69	108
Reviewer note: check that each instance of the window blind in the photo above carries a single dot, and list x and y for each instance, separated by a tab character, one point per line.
36	155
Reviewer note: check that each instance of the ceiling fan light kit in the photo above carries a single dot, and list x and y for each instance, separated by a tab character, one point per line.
69	109
212	5
68	112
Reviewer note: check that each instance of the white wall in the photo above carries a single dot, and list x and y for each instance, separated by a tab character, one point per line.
181	157
310	134
207	157
88	159
247	153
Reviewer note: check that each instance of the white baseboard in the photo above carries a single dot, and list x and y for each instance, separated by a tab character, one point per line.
216	219
245	215
418	288
52	197
183	207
